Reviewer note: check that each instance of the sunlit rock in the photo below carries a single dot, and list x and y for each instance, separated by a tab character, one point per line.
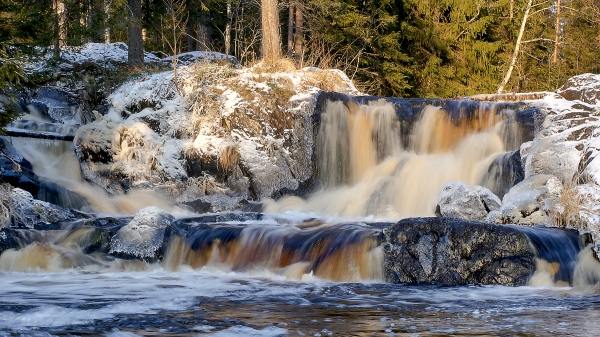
459	200
145	235
529	202
584	87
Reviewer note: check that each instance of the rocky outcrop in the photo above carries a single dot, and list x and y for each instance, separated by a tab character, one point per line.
145	237
459	200
240	133
529	202
453	252
584	87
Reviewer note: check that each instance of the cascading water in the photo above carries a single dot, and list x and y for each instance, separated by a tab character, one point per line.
55	161
365	170
238	273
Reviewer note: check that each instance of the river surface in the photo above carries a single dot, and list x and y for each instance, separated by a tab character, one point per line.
212	303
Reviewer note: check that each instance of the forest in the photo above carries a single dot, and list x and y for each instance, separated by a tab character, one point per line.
403	48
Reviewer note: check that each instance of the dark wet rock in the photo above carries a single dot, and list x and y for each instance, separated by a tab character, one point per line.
220	203
505	172
19	175
58	105
249	206
98	233
145	237
58	195
8	239
459	200
22	176
222	217
450	251
585	88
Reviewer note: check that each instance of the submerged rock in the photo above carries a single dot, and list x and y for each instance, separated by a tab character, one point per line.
454	252
459	200
145	235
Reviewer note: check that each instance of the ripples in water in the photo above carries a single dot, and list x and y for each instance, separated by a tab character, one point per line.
201	303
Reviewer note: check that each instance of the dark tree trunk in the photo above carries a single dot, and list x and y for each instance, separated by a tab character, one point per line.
135	41
290	37
189	29
298	32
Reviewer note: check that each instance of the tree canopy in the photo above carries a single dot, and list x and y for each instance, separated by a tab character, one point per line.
427	48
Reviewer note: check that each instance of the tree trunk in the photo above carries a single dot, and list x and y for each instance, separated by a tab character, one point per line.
290	37
513	62
107	4
271	49
60	27
202	37
189	29
135	42
298	34
56	28
90	19
512	9
228	30
557	33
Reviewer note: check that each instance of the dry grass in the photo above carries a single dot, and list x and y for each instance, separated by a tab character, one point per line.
326	80
282	65
6	207
567	212
229	157
283	88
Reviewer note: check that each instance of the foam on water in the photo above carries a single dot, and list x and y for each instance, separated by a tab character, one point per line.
53	301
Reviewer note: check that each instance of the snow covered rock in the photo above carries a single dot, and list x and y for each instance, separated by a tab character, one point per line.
585	88
529	202
459	200
186	59
56	104
31	213
145	235
216	129
101	54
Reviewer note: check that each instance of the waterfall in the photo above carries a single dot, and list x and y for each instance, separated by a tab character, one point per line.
55	161
365	170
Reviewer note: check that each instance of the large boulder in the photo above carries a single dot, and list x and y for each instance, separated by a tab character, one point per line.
245	134
28	212
529	202
459	200
145	237
584	87
453	252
